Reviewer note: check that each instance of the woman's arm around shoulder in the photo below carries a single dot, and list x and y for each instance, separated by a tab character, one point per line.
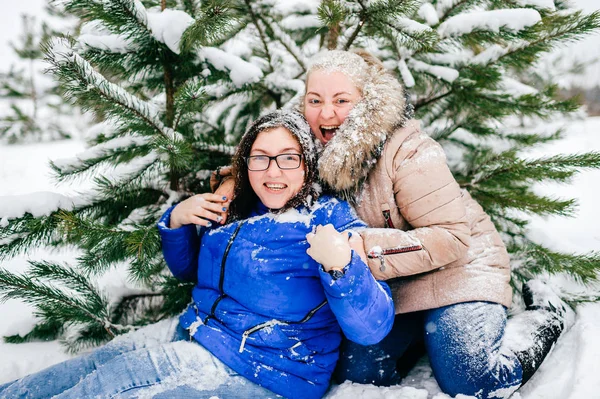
430	200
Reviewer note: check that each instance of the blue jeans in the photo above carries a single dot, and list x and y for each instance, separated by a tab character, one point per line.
158	361
464	344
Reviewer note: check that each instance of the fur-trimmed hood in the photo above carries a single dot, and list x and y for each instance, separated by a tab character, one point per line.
347	159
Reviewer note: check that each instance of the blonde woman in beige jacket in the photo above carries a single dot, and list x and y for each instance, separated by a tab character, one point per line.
439	251
446	263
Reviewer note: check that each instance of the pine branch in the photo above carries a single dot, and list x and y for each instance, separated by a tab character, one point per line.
215	22
556	30
535	259
81	80
332	14
47	330
560	168
456	7
56	304
286	41
27	232
261	33
117	15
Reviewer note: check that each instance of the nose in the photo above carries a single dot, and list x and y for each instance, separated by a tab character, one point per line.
328	111
273	170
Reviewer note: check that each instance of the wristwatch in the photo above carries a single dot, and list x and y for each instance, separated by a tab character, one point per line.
337	273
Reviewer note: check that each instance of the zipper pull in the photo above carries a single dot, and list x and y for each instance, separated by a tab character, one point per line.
244	337
377	252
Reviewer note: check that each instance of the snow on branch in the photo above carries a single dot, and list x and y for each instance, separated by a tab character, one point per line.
515	88
68	165
41	203
124	172
109	42
289	44
94	34
61	55
137	9
541	4
407	78
441	72
513	19
240	72
221	148
428	13
489	55
298	22
410	26
168	26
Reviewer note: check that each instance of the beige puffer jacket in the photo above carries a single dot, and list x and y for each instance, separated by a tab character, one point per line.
430	236
433	243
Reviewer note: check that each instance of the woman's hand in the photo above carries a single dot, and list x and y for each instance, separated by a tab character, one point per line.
200	209
329	247
226	190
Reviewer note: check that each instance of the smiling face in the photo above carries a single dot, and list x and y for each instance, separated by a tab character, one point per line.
275	186
329	98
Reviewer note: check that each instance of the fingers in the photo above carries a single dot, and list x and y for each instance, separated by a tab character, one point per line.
226	189
210	197
211	206
200	221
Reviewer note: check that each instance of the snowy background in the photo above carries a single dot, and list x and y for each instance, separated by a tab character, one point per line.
570	371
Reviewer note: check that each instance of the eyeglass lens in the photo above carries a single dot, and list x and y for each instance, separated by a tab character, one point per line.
284	161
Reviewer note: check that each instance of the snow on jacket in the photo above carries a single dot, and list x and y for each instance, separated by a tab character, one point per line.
431	237
265	308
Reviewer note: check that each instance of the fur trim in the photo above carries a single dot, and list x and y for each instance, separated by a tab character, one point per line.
348	158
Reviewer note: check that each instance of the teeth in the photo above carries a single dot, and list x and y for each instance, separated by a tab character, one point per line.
329	127
276	186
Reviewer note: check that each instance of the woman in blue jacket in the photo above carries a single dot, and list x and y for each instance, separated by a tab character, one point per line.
274	289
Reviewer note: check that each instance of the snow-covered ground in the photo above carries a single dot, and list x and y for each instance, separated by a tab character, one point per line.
569	373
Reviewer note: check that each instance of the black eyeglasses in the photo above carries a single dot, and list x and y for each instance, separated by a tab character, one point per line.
284	161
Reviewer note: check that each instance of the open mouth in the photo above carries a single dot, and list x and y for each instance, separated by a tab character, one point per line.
275	186
328	131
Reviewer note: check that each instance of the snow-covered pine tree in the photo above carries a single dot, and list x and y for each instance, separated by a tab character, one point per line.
36	111
176	83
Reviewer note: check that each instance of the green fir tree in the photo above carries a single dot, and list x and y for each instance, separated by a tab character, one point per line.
36	109
176	83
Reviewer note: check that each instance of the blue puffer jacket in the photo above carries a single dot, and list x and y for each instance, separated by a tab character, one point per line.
265	308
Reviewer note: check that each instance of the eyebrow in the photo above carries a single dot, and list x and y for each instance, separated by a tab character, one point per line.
335	95
283	151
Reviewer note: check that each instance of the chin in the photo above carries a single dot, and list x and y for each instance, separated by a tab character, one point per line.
274	203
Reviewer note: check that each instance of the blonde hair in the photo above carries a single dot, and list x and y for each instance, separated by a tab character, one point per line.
359	65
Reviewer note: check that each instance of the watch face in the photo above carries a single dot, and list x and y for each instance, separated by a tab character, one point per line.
335	274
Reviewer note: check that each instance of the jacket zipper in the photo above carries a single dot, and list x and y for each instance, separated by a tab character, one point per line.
388	218
222	275
276	322
379	253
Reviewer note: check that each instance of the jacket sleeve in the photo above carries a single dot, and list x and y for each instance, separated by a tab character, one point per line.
341	215
430	200
180	248
363	306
